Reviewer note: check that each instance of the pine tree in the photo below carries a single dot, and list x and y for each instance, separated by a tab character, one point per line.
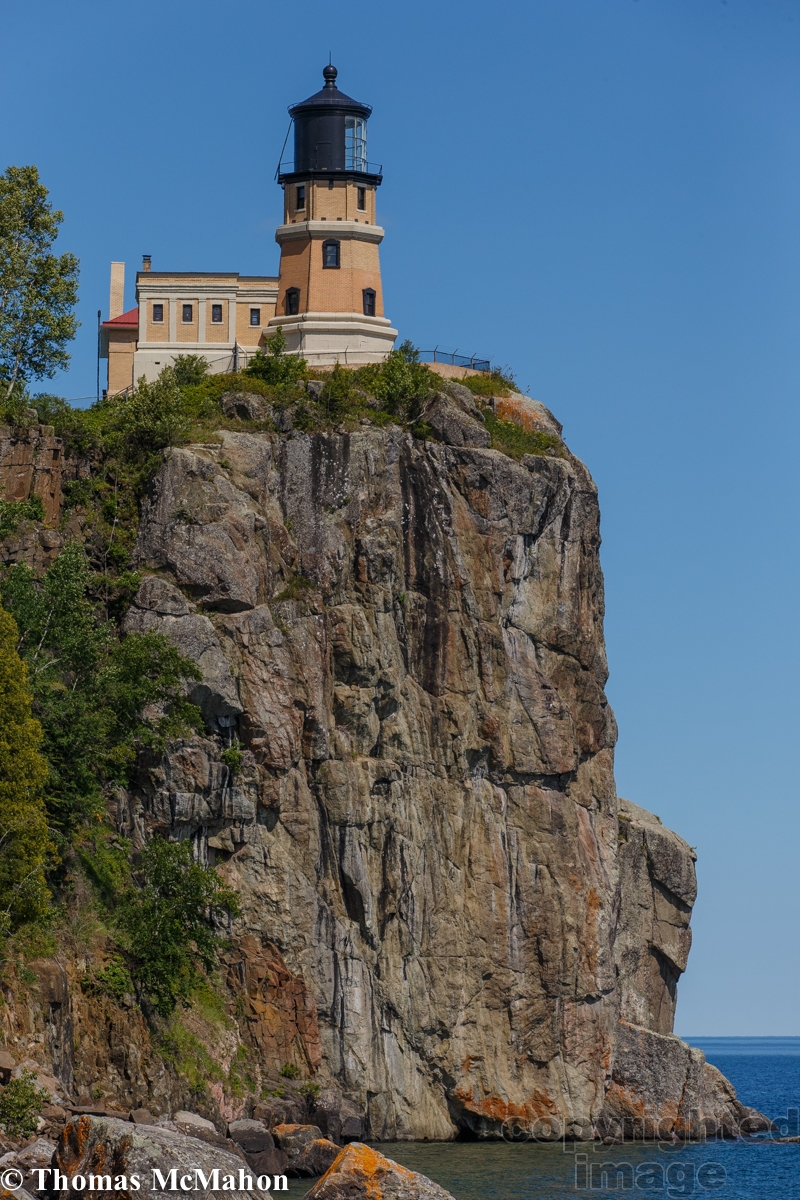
24	839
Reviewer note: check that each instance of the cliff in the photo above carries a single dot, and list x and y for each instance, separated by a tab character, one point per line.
447	912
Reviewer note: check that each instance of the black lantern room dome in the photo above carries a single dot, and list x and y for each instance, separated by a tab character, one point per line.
330	136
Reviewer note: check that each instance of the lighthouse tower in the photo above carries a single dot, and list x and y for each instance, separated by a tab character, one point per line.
330	300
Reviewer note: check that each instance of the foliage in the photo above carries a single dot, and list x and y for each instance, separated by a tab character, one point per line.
100	700
232	757
113	980
14	511
151	418
21	1103
310	1090
515	441
25	845
189	369
276	366
289	1071
166	917
400	384
490	383
38	290
187	1054
337	391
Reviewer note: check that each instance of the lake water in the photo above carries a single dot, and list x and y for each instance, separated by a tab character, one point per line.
766	1075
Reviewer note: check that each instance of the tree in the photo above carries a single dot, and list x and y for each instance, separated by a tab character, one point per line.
168	922
154	416
100	700
24	840
38	290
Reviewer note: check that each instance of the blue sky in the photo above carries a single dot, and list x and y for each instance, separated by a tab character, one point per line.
603	194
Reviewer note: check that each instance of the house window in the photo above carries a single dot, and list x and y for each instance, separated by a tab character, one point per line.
369	302
300	202
158	313
187	317
330	253
292	302
216	314
255	316
362	200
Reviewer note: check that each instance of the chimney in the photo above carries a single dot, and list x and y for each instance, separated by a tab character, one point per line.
146	262
116	296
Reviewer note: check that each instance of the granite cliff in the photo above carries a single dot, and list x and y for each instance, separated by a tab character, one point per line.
447	914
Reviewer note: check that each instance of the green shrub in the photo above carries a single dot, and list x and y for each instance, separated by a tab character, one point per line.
400	384
113	980
310	1090
289	1071
232	757
515	441
189	369
490	383
275	366
12	512
166	917
21	1103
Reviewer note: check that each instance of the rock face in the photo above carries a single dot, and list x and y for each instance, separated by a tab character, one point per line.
31	463
448	918
425	827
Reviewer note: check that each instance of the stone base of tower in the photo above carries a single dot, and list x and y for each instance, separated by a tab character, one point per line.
323	339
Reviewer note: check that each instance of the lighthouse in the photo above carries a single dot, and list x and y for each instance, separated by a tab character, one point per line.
330	299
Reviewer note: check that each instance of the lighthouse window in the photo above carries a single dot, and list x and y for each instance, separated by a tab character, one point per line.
355	143
330	253
362	199
158	313
187	314
216	314
301	198
292	302
369	302
255	316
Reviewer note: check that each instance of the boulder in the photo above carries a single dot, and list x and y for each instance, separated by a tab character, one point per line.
307	1151
314	1159
104	1145
453	426
192	1121
35	1157
294	1138
279	1110
142	1116
339	1118
246	405
268	1162
361	1172
252	1136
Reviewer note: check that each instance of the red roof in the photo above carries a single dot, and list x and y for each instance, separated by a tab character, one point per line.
128	319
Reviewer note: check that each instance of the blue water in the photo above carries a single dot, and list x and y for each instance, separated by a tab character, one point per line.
766	1075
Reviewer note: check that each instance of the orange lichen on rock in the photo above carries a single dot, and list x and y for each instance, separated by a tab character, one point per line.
495	1108
361	1173
514	408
